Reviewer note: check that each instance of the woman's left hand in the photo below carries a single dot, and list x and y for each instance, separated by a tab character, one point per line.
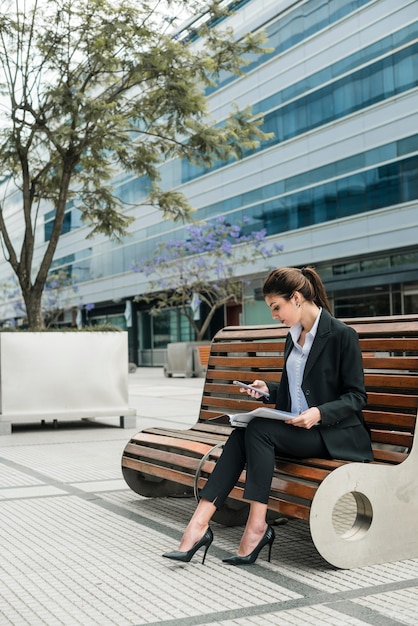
307	419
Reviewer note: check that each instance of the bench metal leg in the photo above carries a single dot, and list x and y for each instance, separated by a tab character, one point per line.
202	461
386	521
5	428
127	421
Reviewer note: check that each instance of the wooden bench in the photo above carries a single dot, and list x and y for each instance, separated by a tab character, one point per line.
359	513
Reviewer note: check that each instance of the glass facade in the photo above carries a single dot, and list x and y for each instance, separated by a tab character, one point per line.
276	208
366	190
294	27
374	83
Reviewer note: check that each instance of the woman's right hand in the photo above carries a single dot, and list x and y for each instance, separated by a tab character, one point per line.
258	384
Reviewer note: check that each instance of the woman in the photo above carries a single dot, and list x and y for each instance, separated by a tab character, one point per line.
322	382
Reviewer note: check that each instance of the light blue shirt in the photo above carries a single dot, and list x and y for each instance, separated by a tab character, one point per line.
295	365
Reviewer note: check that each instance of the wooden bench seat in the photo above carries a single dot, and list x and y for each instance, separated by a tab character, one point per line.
162	461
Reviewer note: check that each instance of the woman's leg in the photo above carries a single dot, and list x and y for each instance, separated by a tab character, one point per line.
197	525
257	445
264	439
223	478
254	528
227	469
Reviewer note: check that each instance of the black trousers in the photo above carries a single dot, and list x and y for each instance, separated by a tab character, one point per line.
256	447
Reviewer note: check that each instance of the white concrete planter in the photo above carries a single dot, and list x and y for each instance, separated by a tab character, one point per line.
183	358
63	376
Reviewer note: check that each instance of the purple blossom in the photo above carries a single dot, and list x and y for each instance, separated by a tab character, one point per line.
203	258
226	246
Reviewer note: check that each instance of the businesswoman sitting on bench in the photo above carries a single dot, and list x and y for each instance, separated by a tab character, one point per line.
322	382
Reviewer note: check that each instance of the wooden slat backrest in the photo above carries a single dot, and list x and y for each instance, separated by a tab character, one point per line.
390	357
240	354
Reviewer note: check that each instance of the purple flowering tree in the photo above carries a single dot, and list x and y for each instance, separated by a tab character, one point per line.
202	268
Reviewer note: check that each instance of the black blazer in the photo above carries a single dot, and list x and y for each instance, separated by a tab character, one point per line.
333	381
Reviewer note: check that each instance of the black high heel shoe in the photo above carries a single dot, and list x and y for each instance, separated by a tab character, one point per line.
187	556
267	539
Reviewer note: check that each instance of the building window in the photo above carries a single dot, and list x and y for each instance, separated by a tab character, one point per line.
49	219
366	302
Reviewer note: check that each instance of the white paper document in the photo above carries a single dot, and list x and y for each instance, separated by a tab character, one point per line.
242	419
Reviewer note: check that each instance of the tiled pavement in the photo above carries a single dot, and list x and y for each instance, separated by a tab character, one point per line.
78	547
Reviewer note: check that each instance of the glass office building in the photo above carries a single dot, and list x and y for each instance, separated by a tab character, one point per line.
336	185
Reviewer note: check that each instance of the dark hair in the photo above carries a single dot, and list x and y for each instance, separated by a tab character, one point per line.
286	280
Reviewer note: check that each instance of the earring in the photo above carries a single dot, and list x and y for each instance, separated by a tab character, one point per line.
297	304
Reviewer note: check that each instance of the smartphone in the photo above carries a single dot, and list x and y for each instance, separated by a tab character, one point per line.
245	386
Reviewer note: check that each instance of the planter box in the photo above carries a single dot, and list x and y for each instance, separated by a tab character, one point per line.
63	376
186	359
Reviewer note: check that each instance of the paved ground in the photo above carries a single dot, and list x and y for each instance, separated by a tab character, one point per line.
78	547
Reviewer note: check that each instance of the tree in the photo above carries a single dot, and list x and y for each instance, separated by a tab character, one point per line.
89	88
201	268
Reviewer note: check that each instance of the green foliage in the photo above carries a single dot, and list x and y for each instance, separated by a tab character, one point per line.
93	87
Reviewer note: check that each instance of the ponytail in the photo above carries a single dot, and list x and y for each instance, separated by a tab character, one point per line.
286	280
